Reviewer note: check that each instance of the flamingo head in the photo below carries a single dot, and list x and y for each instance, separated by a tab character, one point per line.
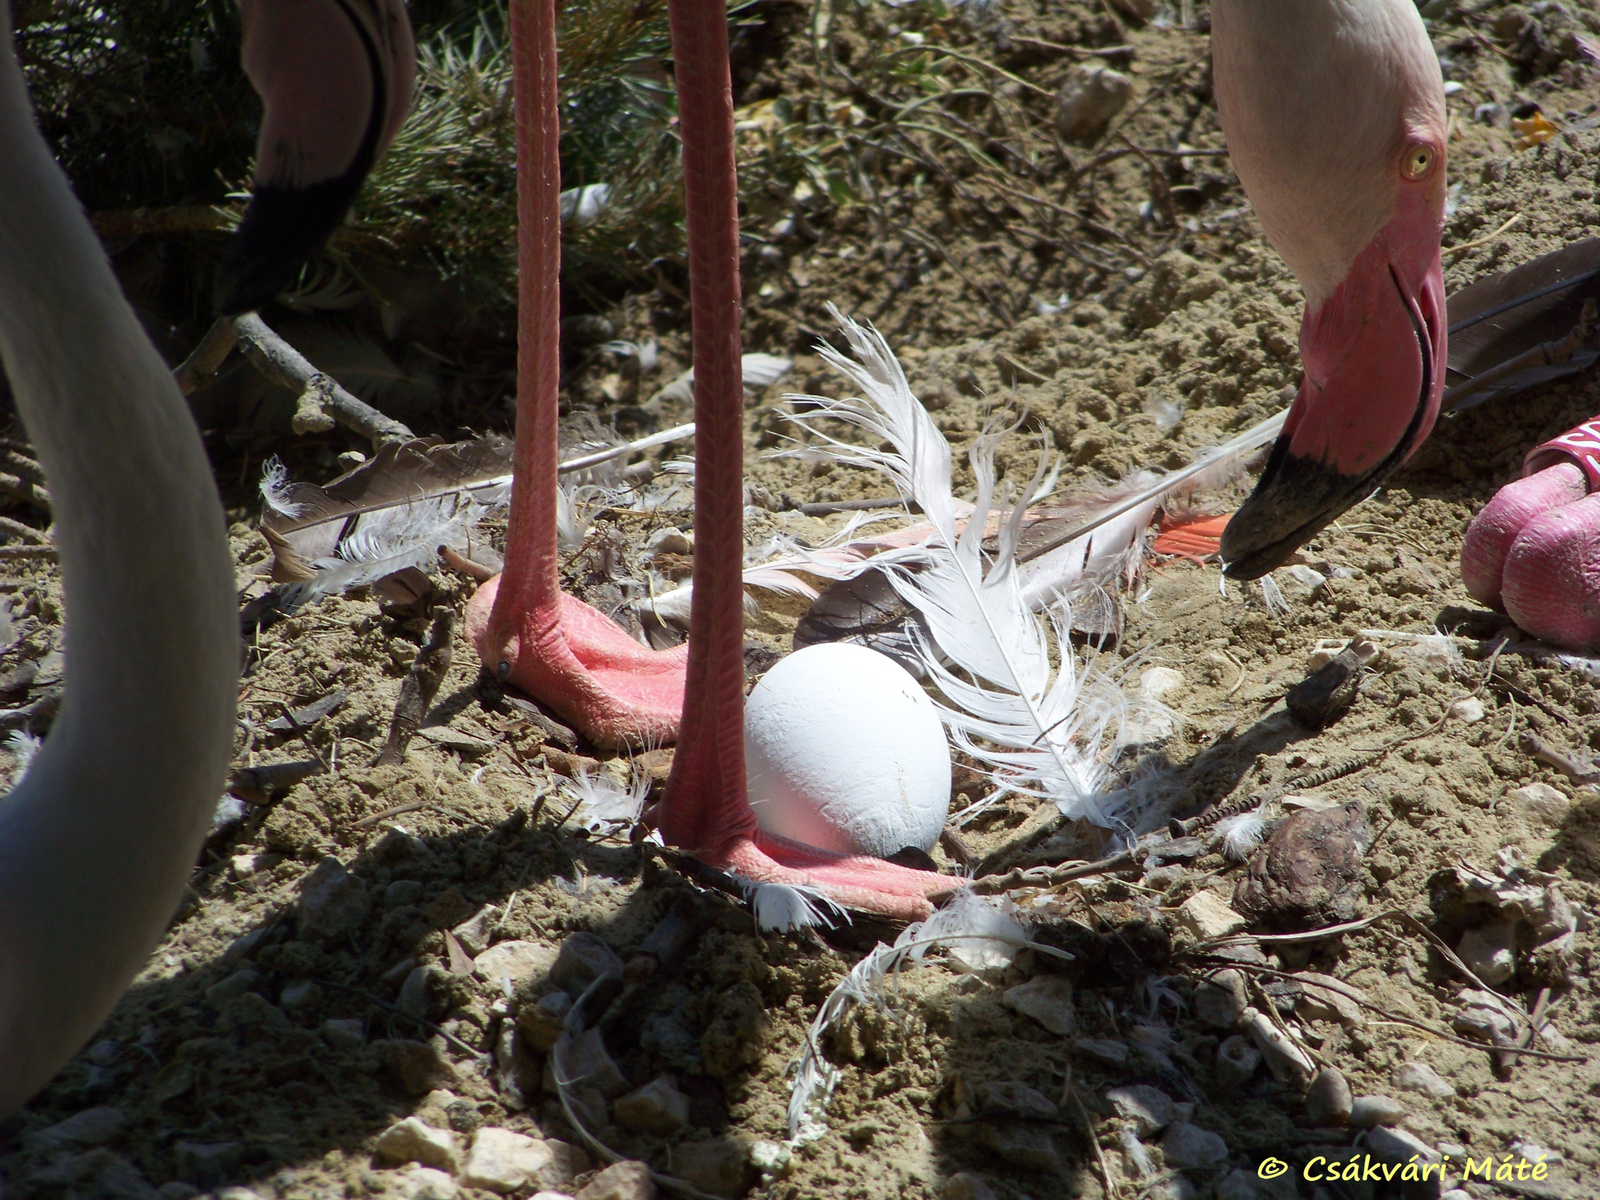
1334	114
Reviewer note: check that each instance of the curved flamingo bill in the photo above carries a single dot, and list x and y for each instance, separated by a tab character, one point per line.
335	77
1374	355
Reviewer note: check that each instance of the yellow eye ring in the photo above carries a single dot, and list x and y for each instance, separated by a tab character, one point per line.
1417	162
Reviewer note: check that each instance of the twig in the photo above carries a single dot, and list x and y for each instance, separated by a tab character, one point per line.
283	364
677	433
26	532
1081	51
1068	1092
27	552
206	359
397	810
1485	239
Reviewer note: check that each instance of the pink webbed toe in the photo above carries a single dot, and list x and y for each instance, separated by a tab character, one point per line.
854	881
1552	575
1493	531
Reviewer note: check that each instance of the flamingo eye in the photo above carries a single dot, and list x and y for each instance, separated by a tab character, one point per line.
503	670
1417	162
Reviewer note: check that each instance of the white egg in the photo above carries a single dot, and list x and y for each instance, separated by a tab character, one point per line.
844	751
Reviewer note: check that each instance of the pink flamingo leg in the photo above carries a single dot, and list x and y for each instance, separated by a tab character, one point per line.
706	809
1535	548
555	648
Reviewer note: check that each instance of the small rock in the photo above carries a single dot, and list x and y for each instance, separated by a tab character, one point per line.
1468	709
402	892
1089	98
251	1011
1324	998
474	932
1206	916
425	1183
91	1127
502	1161
1366	1112
1047	999
964	1185
413	1141
1220	1000
1399	1145
298	995
620	1181
721	1167
207	1163
1009	1097
1539	804
416	998
1420	1077
1309	872
583	959
542	1021
333	902
1104	1050
773	1159
1328	1099
345	1033
589	1063
1189	1147
1491	952
237	984
417	1067
1150	1109
657	1108
507	964
1028	1146
1237	1060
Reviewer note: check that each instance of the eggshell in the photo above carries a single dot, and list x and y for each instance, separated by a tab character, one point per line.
844	751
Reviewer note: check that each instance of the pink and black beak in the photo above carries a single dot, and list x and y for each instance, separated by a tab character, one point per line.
336	77
1374	354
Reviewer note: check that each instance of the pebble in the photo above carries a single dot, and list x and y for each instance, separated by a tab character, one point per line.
1104	1050
1399	1145
1150	1109
418	1067
582	960
251	1011
502	1161
657	1108
333	902
345	1033
1188	1147
1008	1096
721	1167
426	1183
1310	871
299	994
507	965
1028	1146
1538	803
1047	999
237	984
416	998
1237	1061
773	1159
413	1140
1324	998
207	1163
1089	98
542	1021
1220	1000
1206	915
1328	1099
964	1185
1490	952
620	1181
475	931
589	1063
91	1127
1369	1111
1420	1077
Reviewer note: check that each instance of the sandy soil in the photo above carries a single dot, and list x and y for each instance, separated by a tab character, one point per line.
221	1064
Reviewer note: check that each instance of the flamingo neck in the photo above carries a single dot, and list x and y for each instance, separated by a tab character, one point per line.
97	841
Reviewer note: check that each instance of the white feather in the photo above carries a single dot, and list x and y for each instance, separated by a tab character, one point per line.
783	908
602	803
23	746
1239	836
275	487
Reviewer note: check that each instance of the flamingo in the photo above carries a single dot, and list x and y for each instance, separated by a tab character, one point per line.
97	839
562	651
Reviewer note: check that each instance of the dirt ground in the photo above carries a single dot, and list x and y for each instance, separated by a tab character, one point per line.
289	1018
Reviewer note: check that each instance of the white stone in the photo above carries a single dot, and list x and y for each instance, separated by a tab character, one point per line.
584	957
1468	709
620	1181
298	994
1539	804
657	1108
473	933
1368	1111
1420	1077
1220	999
1150	1109
425	1183
844	751
413	1140
333	902
513	962
1188	1146
1397	1145
345	1033
1328	1099
1104	1050
1047	999
1207	916
1490	952
1089	98
502	1161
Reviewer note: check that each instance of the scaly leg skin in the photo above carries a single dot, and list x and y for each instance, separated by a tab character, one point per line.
526	630
1535	548
706	810
584	666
